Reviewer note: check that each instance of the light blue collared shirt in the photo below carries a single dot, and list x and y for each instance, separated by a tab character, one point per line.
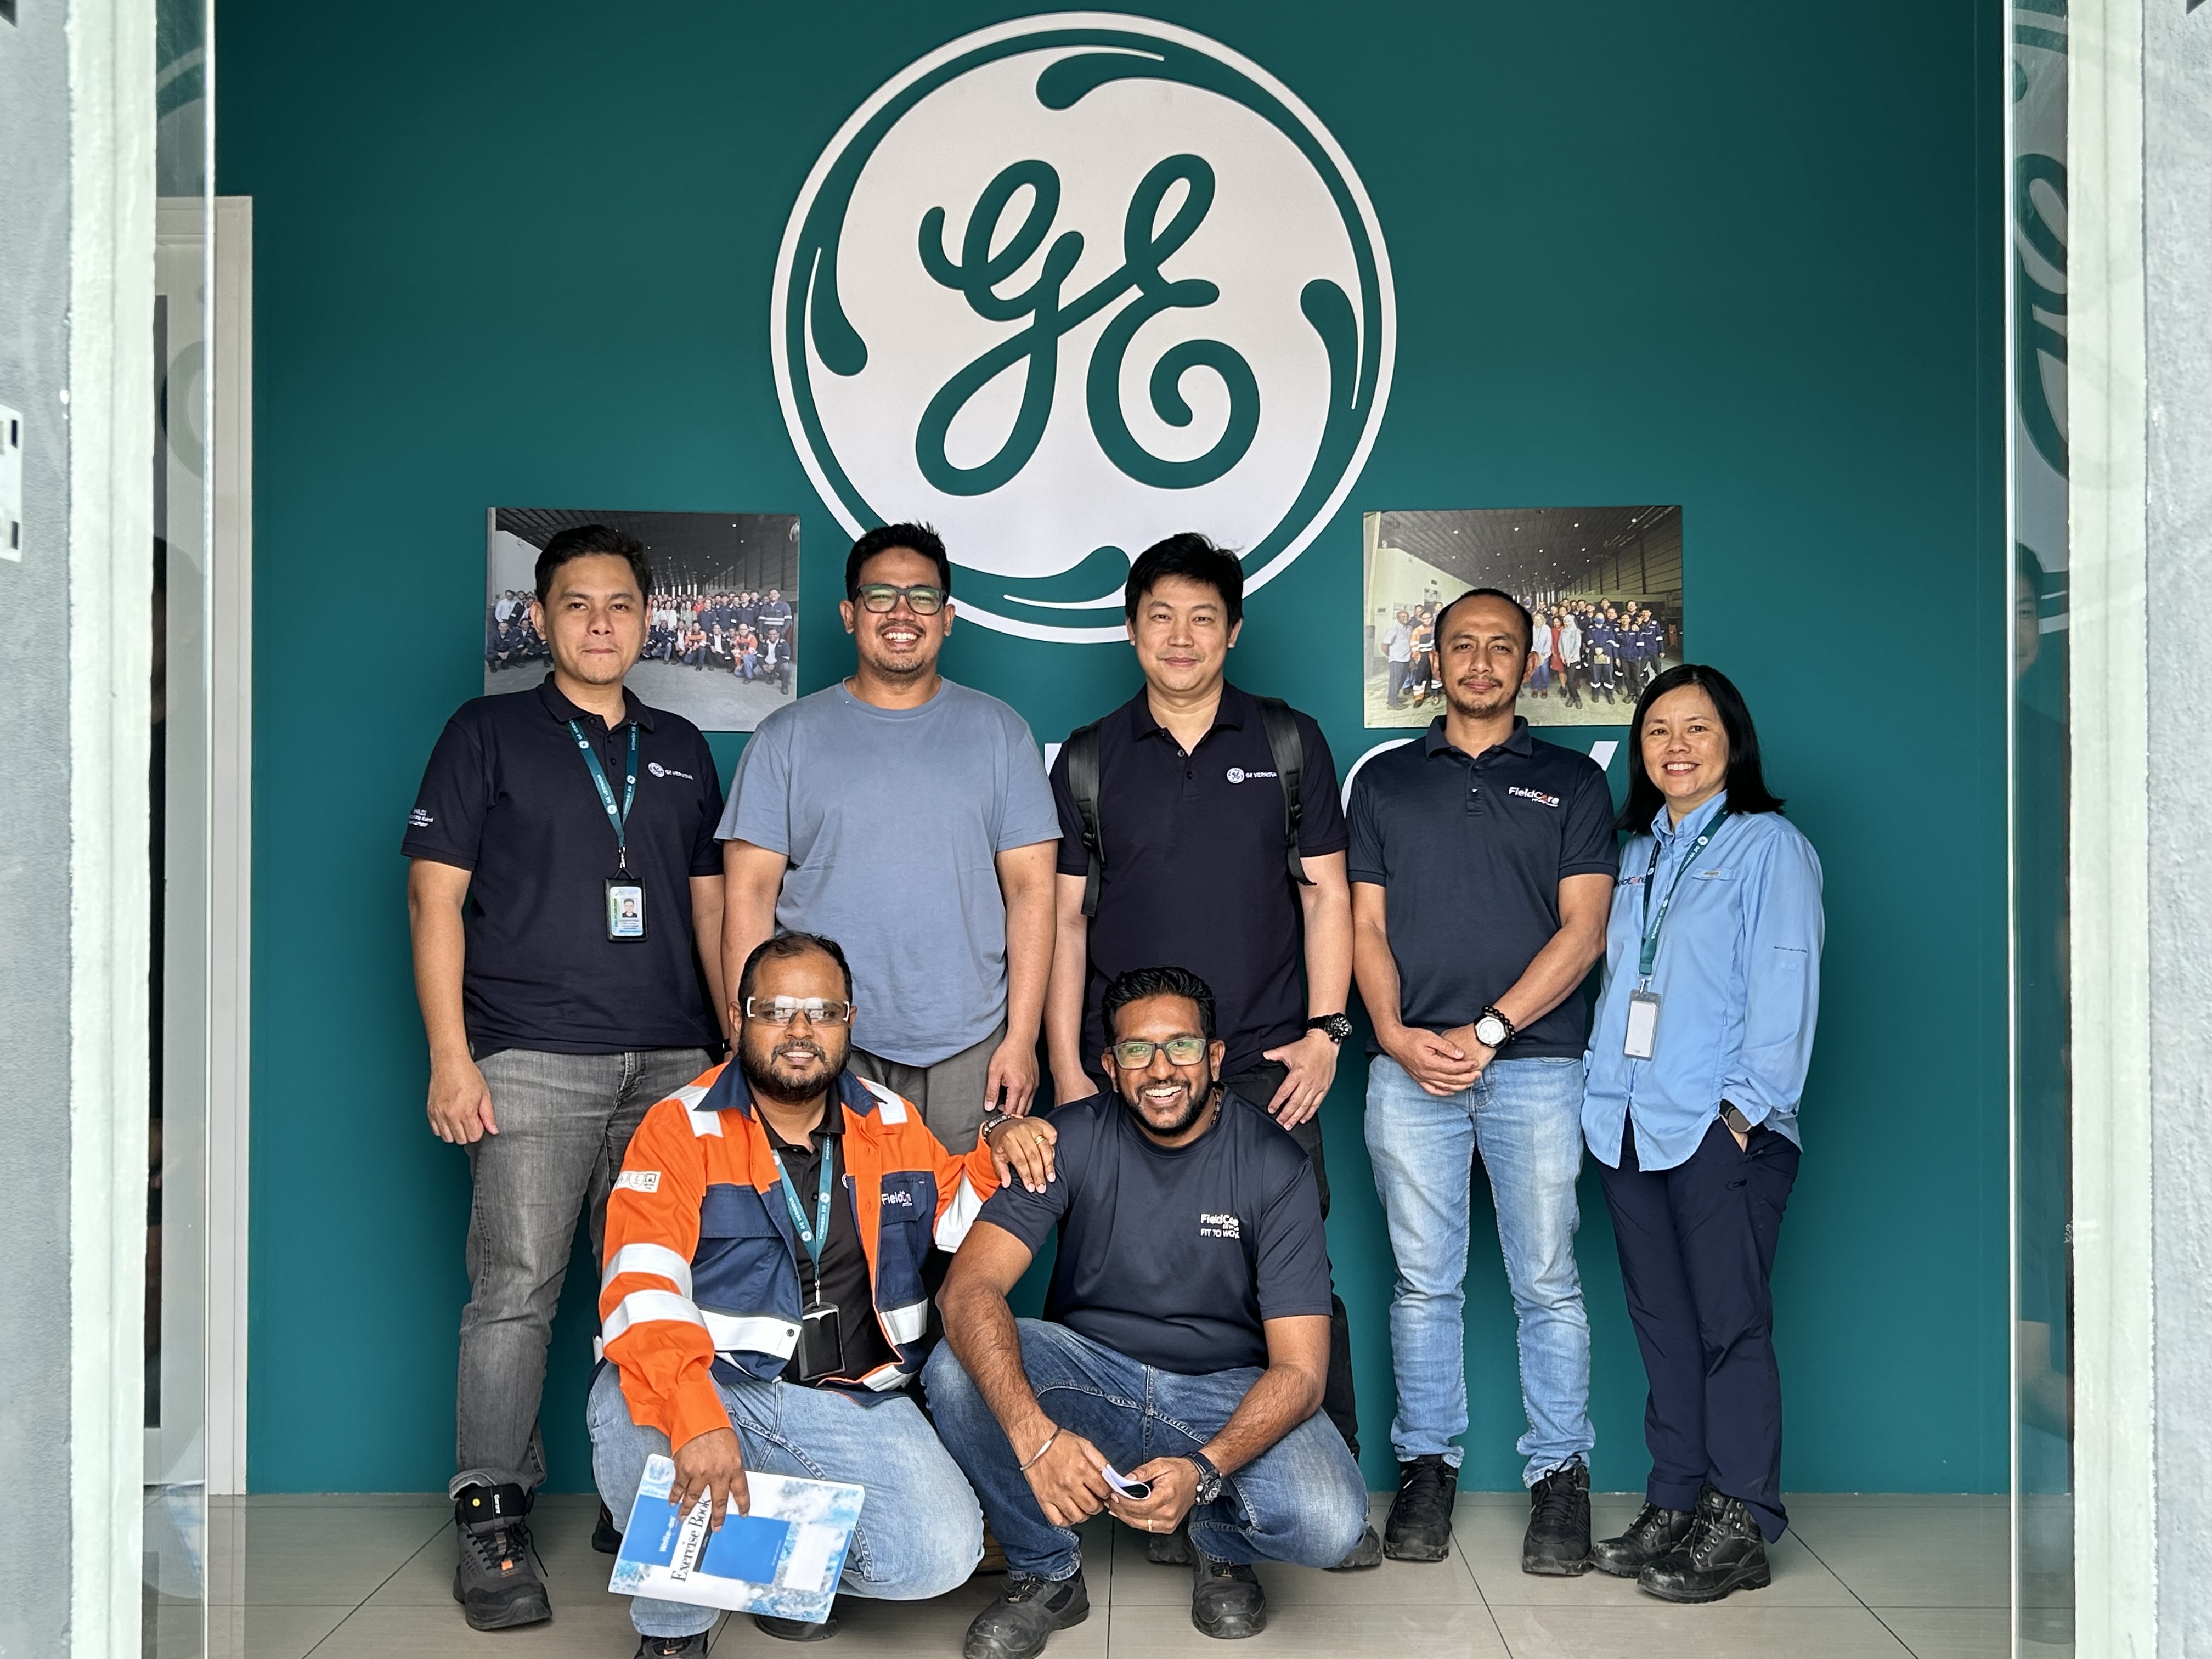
1738	977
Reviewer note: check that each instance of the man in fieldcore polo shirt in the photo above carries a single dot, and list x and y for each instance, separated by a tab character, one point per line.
554	1019
1481	866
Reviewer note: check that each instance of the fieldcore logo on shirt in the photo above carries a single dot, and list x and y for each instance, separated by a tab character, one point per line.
1221	1225
898	1197
1536	795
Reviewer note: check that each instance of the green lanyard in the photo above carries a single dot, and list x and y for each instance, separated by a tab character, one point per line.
606	791
1653	924
816	1236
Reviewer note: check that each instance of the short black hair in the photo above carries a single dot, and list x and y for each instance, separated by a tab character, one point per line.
781	946
583	540
918	538
1746	782
1527	621
1190	555
1138	983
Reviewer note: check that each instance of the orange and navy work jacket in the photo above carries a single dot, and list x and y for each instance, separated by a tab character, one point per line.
701	1271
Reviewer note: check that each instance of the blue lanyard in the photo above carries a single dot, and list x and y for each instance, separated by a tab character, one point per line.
606	791
815	1237
1652	924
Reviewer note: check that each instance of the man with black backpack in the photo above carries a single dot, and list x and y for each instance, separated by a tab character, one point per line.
1200	829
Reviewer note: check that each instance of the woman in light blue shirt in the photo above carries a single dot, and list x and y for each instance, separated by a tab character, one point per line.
1696	1060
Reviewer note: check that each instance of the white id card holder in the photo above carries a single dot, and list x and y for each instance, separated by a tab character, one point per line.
1643	1024
625	909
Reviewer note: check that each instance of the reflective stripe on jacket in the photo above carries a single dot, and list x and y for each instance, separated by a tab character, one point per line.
701	1274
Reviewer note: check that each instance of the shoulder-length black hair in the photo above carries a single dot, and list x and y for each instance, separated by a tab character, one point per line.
1747	783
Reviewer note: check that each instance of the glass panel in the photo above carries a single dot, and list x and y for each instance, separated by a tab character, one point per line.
175	1546
2042	1439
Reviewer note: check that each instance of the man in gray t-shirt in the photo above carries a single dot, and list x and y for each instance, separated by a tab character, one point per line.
908	818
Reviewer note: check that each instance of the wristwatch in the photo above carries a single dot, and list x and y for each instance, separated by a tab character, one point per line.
1733	1116
993	1117
1209	1478
1338	1026
1492	1029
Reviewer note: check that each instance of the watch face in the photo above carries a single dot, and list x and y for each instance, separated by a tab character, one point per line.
1490	1032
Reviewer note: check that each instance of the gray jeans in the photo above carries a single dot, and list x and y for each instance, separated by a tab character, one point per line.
949	1094
564	1122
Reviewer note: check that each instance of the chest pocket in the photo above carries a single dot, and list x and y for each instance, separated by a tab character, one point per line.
906	1221
743	1265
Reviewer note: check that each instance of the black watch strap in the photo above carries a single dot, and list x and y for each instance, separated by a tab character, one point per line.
1338	1027
1209	1478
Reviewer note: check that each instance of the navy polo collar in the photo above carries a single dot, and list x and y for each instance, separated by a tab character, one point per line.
1521	742
1229	716
564	711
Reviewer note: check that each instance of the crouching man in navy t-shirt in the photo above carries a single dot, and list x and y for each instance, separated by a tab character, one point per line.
1186	1347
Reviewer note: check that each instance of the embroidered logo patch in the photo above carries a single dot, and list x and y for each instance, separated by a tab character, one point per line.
420	819
900	1197
1221	1225
639	1181
1536	795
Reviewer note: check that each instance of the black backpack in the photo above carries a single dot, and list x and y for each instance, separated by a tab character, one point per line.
1284	742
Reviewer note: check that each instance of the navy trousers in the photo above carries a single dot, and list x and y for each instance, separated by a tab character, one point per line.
1696	1248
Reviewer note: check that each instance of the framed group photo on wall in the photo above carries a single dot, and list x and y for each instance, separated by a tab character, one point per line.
721	622
1603	586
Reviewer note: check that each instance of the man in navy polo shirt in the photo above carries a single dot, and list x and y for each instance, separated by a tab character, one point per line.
564	873
1482	865
1193	870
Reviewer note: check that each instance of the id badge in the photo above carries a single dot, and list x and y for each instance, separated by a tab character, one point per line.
625	908
1643	1024
821	1346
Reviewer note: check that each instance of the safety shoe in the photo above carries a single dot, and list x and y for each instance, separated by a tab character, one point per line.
1420	1524
671	1647
1367	1552
1016	1625
1225	1597
1558	1542
797	1630
1652	1535
495	1581
1170	1549
606	1537
1723	1553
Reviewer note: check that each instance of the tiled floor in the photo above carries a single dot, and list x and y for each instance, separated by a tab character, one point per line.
370	1577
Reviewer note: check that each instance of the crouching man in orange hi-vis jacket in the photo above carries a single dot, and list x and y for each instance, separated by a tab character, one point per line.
763	1306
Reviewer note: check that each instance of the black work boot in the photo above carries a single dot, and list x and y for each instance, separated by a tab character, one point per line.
797	1630
673	1647
1420	1524
1225	1597
1652	1535
1170	1549
1723	1553
1367	1552
606	1537
1015	1625
1558	1542
495	1581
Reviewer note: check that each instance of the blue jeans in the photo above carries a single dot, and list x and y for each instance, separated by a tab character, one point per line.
1525	1118
919	1534
1301	1500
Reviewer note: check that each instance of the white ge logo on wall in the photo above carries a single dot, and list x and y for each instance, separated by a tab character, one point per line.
1070	285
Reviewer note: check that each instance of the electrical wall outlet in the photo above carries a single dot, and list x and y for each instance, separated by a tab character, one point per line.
11	483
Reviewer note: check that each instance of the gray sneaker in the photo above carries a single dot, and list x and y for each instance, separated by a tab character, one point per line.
495	1581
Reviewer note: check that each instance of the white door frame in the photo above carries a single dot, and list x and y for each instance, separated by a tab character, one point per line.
230	885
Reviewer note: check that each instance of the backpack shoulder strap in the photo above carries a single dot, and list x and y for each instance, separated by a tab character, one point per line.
1288	746
1081	751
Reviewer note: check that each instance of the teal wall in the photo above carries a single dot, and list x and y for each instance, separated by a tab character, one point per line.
1735	256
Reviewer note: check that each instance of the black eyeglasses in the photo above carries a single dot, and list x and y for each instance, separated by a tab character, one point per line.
922	598
1136	1054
